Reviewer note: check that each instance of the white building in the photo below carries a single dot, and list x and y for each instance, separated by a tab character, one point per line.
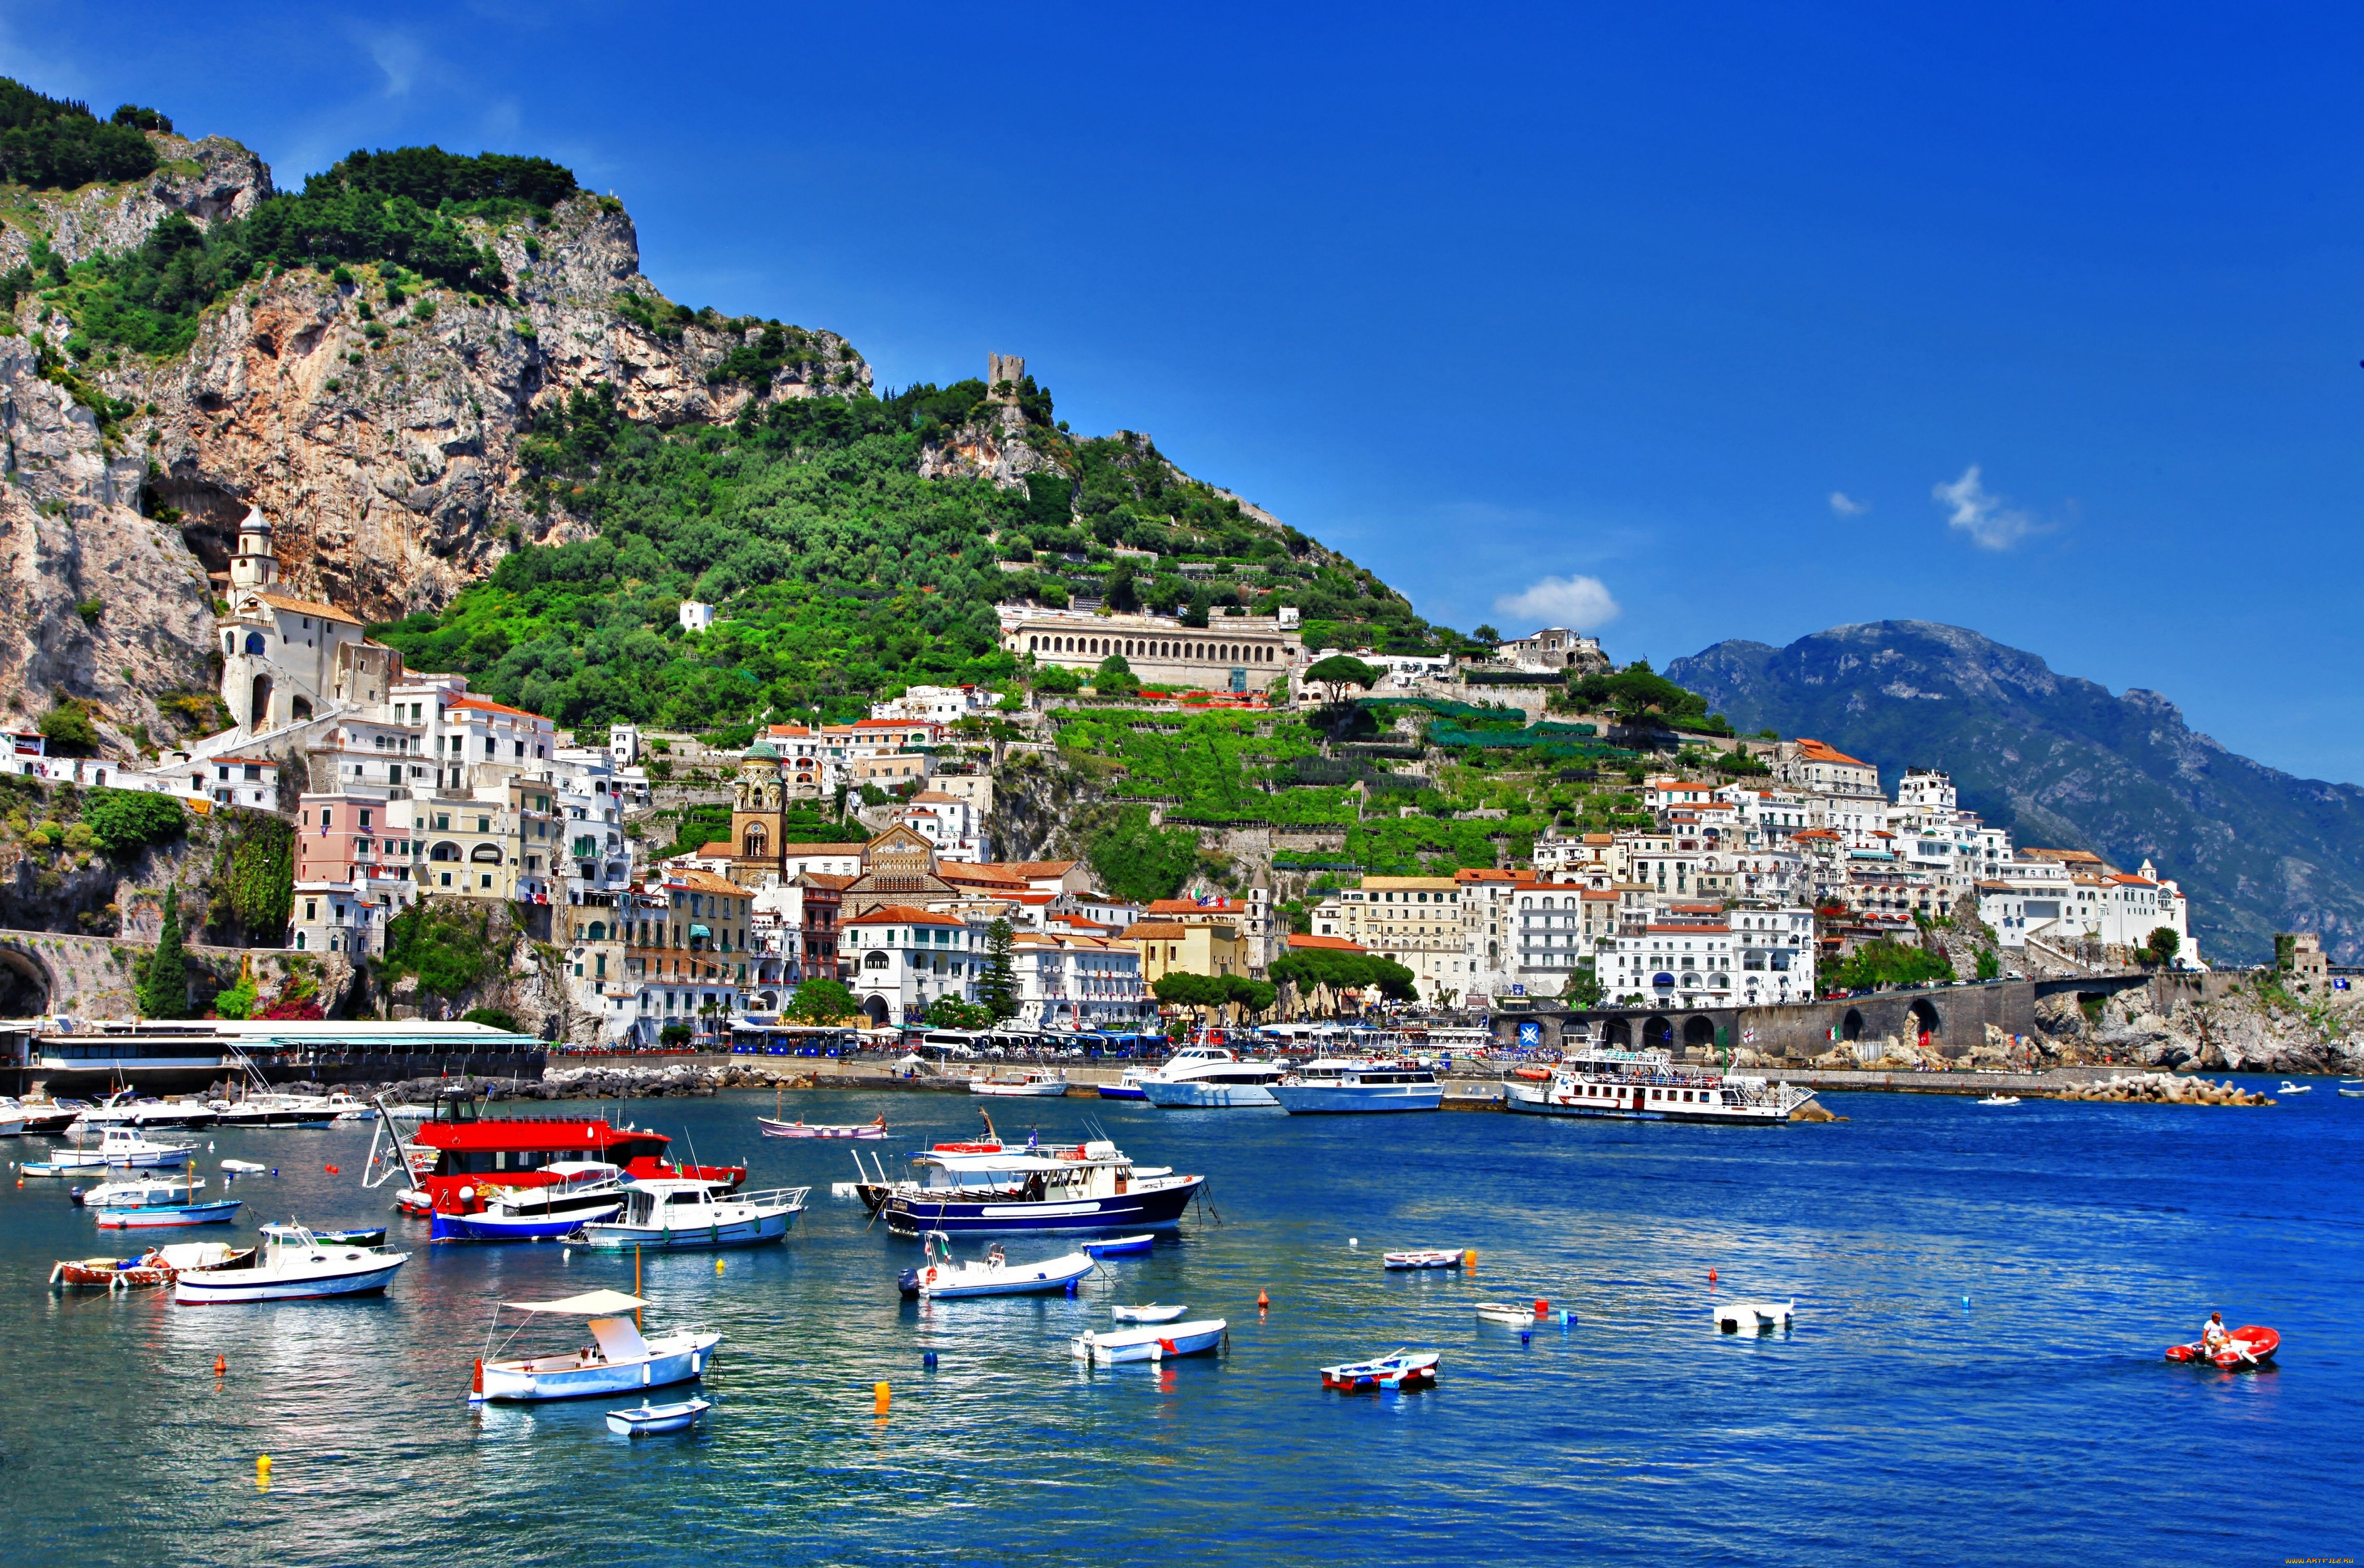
897	959
936	705
695	616
1079	981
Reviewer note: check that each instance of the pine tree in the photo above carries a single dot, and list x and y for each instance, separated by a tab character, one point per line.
164	988
997	988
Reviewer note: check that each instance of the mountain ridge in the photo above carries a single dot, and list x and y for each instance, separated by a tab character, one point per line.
2061	761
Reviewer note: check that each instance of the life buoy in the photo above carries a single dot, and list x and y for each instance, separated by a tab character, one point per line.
931	1273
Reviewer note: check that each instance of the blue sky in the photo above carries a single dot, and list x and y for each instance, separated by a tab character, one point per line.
1733	322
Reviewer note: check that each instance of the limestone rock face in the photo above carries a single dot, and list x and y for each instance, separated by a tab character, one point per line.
382	442
200	179
997	445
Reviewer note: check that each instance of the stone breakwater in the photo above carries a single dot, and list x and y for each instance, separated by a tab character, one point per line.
2163	1089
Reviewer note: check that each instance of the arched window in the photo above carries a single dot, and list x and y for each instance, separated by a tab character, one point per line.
754	843
486	854
254	642
875	960
598	932
444	852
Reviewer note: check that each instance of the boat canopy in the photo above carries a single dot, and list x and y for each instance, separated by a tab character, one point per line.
590	1303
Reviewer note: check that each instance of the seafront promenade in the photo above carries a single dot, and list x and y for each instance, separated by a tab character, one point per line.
1467	1088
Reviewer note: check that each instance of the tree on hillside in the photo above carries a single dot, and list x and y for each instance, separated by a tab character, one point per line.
1115	678
822	1001
1123	596
1485	634
1583	987
997	986
1140	863
163	985
1339	671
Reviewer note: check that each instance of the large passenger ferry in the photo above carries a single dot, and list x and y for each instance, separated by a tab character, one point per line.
460	1157
1646	1085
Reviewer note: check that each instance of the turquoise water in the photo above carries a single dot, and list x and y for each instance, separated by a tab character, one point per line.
1894	1424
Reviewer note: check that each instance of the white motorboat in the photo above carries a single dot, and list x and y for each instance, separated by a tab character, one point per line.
1336	1085
138	1191
119	1146
672	1213
120	1109
1210	1077
1510	1314
942	1278
617	1360
1646	1085
1753	1317
245	1167
2290	1088
1149	1312
2000	1100
646	1420
12	1117
1161	1342
292	1264
1039	1083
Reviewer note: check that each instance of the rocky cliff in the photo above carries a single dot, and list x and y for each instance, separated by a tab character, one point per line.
383	439
2061	762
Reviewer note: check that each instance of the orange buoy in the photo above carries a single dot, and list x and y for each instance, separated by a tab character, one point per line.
1710	1276
478	1386
879	1395
221	1365
1543	1308
1263	1302
332	1169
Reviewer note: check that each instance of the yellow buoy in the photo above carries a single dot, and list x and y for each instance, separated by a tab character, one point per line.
717	1265
1469	1259
263	1472
878	1396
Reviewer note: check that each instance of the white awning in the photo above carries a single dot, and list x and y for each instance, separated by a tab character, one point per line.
590	1303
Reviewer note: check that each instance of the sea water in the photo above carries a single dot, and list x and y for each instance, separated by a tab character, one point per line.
1973	1376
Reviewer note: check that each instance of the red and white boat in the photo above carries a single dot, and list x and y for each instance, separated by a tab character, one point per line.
1400	1371
2246	1349
461	1159
771	1127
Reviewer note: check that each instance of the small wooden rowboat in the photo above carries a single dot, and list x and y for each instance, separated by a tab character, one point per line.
2246	1349
1399	1371
1431	1258
1150	1313
643	1419
775	1128
1154	1344
1510	1314
157	1265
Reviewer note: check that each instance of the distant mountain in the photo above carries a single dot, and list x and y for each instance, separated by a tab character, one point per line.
2060	762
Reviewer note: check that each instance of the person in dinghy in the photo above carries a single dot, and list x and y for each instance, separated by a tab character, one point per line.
2214	1335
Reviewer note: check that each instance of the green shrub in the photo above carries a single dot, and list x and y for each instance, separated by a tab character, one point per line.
123	821
69	729
492	1017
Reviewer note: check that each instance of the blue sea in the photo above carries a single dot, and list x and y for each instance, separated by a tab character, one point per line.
1973	1376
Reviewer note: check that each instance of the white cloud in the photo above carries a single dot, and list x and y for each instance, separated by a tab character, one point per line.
1845	505
1577	603
1988	518
399	56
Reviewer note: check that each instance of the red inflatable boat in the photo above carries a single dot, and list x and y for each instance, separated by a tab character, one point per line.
2251	1348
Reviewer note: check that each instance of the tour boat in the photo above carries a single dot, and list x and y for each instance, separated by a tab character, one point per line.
645	1420
1039	1083
1758	1316
2000	1100
461	1146
120	1145
1399	1371
1431	1258
1646	1085
218	1211
292	1264
1095	1187
1120	1246
2246	1349
691	1215
772	1129
939	1278
1337	1085
1162	1342
1149	1312
576	1192
157	1265
617	1360
1210	1077
1510	1314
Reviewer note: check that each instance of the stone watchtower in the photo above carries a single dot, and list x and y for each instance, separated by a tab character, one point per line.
758	807
1000	368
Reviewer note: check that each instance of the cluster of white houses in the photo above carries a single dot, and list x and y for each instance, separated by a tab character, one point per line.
413	785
